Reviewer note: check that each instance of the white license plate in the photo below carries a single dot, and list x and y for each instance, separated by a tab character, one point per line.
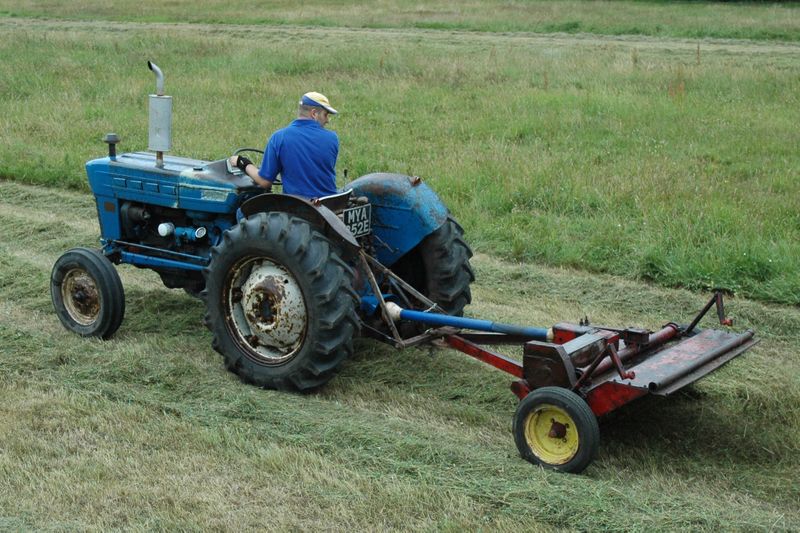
358	220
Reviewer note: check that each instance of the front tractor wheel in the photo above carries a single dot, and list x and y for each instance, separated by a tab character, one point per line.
280	303
555	428
87	293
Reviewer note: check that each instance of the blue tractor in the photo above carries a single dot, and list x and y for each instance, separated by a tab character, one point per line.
287	282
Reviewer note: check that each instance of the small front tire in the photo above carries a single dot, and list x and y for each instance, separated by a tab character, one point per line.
555	428
87	293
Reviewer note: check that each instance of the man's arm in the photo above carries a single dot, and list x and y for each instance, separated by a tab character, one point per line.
251	170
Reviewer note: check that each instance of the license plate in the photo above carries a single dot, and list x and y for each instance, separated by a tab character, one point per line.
358	220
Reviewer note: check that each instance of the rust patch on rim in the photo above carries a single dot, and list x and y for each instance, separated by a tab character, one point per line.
81	296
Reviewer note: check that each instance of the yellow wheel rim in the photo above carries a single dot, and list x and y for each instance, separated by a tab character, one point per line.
551	434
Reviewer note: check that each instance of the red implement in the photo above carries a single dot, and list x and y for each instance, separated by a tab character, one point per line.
571	374
610	367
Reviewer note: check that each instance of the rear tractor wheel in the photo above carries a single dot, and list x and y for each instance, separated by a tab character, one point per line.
439	268
555	428
87	293
280	303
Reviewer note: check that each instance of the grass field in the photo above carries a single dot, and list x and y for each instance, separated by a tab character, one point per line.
615	174
148	431
694	19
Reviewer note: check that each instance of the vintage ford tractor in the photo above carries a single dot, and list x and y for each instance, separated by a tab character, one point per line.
288	282
284	279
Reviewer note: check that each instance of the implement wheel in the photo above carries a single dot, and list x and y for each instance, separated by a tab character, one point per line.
280	303
555	428
87	293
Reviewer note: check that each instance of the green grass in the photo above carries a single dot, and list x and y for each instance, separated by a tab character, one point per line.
148	431
668	161
691	19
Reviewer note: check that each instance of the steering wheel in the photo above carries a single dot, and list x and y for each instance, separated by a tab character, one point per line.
256	160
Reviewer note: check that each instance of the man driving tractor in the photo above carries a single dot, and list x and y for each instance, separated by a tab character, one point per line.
304	152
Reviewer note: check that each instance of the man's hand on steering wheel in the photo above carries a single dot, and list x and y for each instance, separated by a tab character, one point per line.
240	162
249	168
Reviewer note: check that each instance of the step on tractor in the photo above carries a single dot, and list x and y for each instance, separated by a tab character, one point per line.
288	282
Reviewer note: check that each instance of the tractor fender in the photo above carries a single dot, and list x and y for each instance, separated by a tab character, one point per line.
320	216
404	211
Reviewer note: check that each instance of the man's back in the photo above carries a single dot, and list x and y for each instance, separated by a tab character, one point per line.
304	154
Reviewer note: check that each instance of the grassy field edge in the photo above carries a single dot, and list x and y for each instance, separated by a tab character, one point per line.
694	20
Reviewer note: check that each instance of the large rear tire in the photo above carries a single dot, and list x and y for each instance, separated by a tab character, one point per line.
87	293
439	268
280	303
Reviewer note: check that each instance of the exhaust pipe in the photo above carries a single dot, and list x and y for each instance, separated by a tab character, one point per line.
159	78
160	128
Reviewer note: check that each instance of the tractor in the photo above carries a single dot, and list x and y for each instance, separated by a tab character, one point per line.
288	283
284	278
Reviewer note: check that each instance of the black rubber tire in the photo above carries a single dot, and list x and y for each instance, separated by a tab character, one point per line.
87	293
585	431
439	268
323	279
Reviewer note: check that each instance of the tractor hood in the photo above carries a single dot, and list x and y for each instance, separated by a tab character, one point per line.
184	183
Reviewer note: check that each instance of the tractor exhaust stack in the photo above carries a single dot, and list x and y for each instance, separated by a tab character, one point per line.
160	128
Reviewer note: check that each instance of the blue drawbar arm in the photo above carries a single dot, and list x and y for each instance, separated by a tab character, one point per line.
398	313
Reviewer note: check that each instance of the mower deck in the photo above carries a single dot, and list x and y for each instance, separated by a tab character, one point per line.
572	373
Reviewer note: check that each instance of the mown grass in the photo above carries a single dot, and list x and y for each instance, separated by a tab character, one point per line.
663	160
693	19
148	431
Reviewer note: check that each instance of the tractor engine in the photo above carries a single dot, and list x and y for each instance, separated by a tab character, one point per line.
166	228
170	230
162	217
163	212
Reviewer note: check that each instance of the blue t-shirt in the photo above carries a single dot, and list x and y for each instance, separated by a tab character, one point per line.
304	154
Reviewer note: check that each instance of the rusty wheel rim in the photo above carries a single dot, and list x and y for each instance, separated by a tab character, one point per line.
265	310
81	297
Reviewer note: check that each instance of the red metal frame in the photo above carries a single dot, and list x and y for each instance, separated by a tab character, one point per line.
497	360
609	396
601	399
605	383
